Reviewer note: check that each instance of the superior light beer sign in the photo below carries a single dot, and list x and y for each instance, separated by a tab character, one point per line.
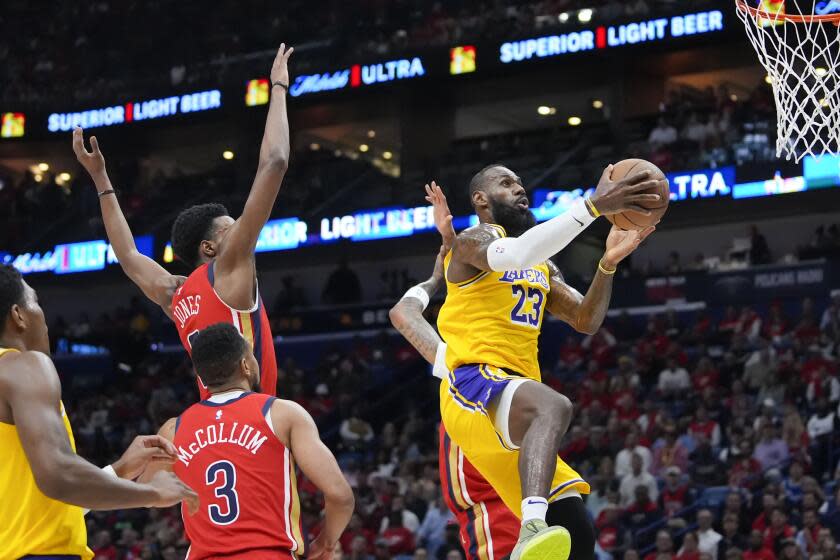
149	109
605	37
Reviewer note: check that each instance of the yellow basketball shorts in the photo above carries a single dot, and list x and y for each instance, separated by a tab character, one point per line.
467	397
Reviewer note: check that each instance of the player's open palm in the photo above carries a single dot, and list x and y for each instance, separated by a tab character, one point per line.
621	243
442	214
280	68
171	491
93	161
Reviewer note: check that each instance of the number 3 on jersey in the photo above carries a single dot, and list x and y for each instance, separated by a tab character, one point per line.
221	475
519	314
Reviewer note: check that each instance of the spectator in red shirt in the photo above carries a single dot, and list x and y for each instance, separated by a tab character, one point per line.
399	539
757	549
776	325
356	529
664	547
806	332
689	550
641	513
103	548
729	324
778	530
609	529
768	504
705	374
571	354
704	426
823	385
676	494
600	347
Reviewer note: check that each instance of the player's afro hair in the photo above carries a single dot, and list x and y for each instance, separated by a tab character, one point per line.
11	291
191	227
216	352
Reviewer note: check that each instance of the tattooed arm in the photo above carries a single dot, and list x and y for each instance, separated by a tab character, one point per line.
407	315
586	313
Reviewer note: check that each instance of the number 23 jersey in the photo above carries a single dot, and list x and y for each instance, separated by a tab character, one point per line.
495	318
243	475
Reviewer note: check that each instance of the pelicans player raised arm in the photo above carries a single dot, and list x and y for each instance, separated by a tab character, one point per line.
239	450
499	283
219	249
43	482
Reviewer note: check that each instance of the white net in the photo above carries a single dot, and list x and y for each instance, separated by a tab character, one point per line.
800	49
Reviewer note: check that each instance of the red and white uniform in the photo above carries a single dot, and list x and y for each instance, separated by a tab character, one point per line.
196	306
489	530
245	478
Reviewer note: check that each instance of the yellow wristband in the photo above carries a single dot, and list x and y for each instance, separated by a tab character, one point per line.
605	270
591	206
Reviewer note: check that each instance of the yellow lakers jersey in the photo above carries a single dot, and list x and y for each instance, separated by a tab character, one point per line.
30	522
494	318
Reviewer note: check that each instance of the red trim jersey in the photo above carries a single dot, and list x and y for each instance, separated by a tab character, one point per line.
489	530
243	475
196	306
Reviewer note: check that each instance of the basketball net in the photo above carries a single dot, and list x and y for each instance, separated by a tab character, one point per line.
800	49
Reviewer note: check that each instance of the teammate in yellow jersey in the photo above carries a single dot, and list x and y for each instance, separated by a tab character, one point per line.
500	282
43	483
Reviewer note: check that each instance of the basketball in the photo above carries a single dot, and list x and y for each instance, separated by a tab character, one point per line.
635	220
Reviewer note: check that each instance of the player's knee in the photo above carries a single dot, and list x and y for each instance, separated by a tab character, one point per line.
561	408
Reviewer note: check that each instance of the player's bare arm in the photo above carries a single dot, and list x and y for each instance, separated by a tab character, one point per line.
586	313
235	270
33	396
407	314
156	283
483	248
297	431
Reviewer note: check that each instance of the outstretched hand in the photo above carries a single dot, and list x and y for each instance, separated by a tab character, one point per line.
620	243
443	217
93	161
280	67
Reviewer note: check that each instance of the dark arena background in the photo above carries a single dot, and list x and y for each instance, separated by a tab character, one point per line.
717	365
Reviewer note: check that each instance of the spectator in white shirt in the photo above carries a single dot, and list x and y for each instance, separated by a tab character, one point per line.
821	422
637	477
624	457
673	379
694	130
663	135
707	537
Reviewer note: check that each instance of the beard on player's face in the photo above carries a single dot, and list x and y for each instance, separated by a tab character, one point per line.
515	219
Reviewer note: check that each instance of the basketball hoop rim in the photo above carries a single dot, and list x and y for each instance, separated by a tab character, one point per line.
743	7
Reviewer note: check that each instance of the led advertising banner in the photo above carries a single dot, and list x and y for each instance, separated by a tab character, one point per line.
286	234
608	37
69	258
136	111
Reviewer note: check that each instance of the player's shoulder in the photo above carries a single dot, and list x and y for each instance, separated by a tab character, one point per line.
31	369
480	233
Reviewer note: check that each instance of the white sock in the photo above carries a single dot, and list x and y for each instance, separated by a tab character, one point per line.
534	507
